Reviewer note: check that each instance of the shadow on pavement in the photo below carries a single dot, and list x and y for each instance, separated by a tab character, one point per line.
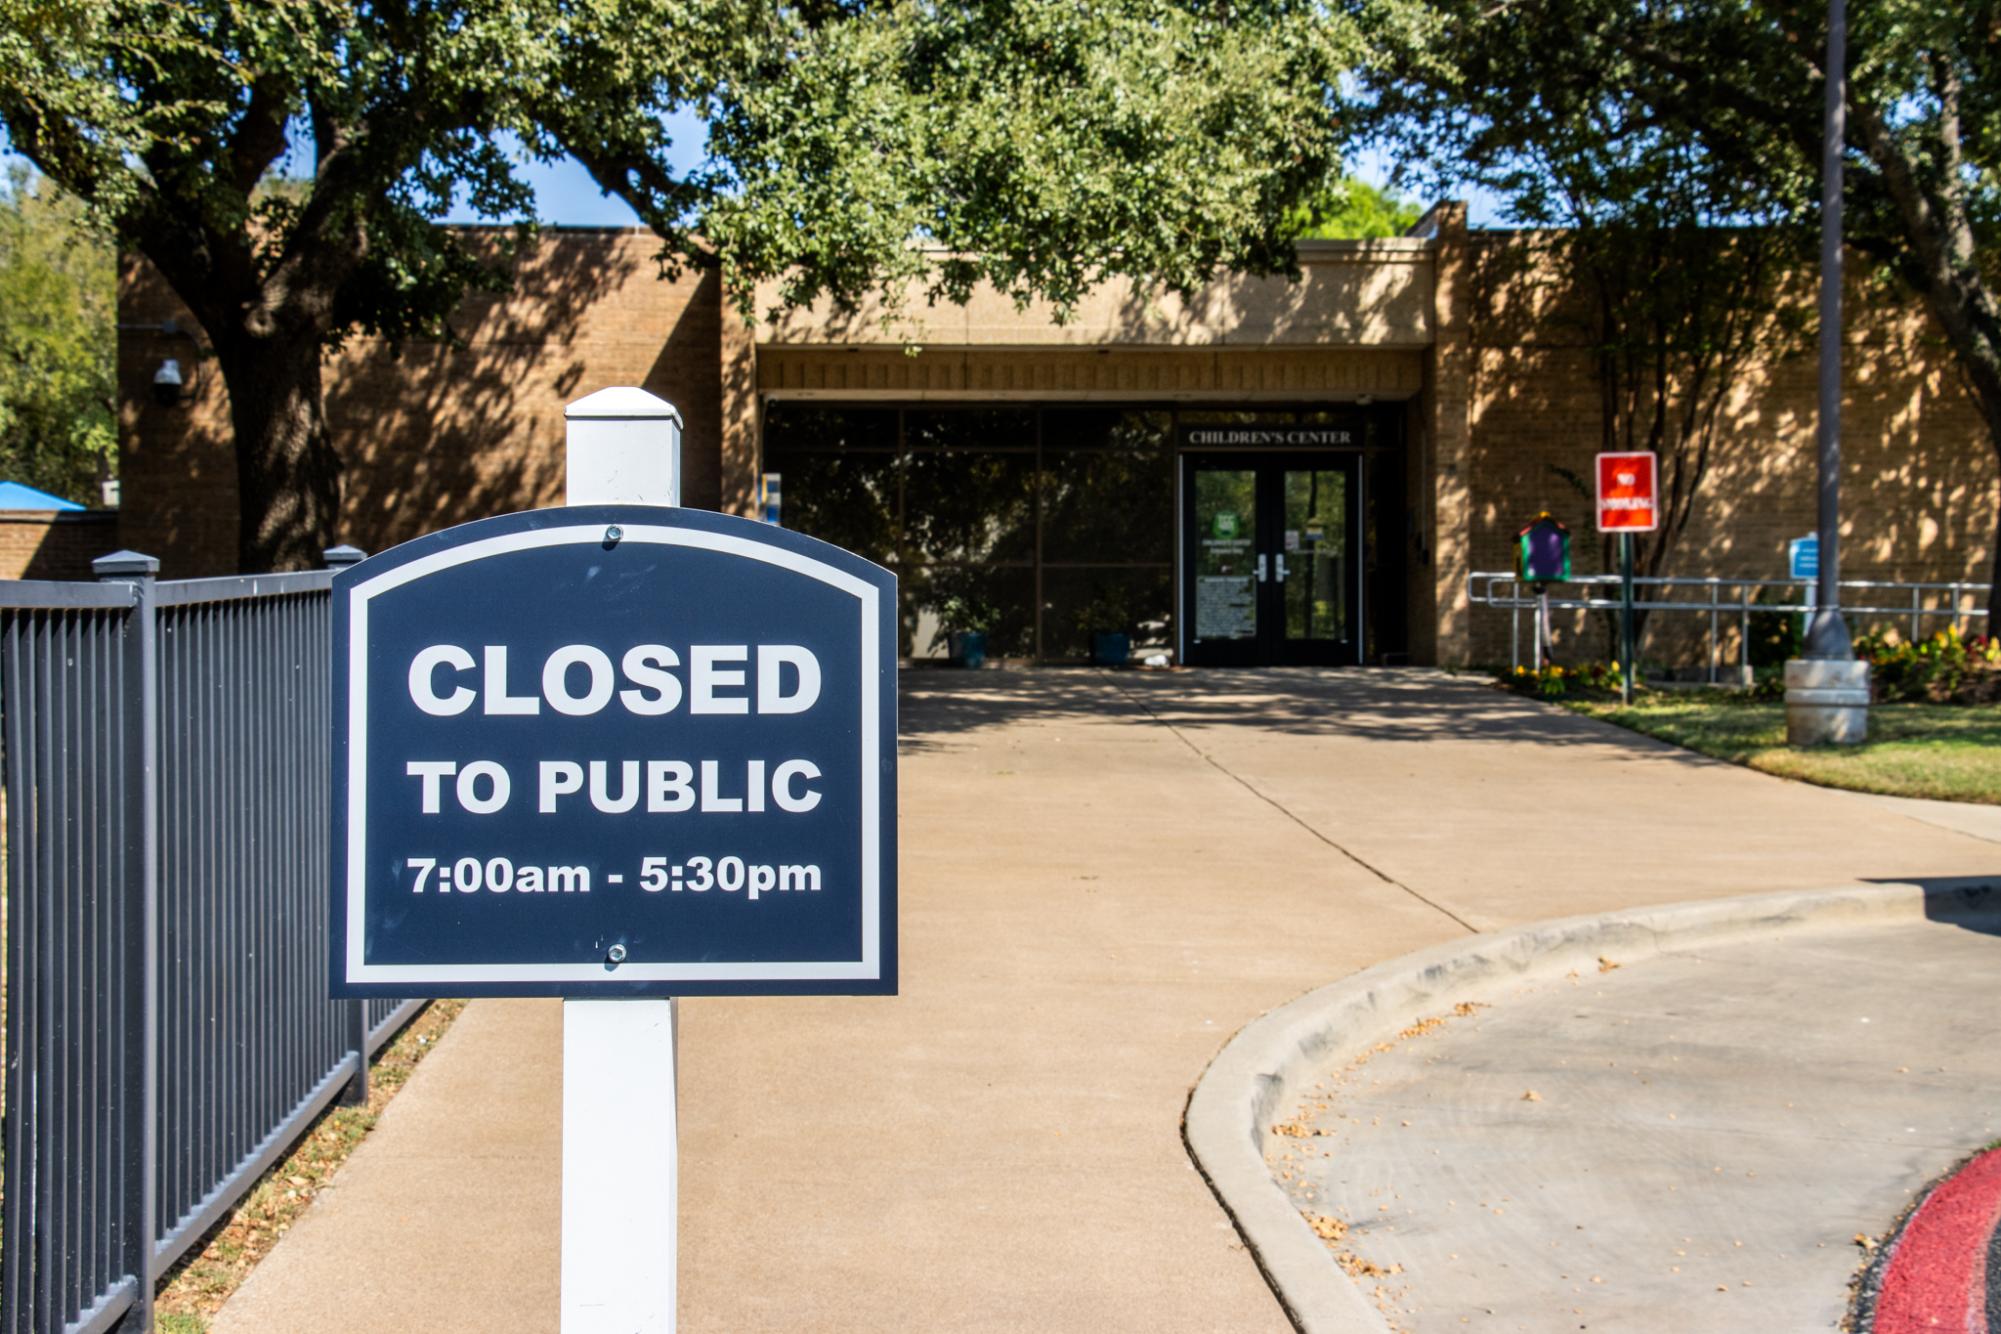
1971	902
1369	704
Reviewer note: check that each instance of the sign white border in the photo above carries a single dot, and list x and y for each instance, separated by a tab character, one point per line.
1653	522
359	972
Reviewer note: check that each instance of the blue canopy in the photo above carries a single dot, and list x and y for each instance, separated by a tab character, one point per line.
15	496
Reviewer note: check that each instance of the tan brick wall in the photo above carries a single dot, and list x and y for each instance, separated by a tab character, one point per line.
177	476
741	455
1373	294
55	544
436	434
1504	397
1444	444
1919	477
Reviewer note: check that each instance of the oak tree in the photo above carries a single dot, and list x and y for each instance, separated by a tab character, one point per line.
1728	93
918	149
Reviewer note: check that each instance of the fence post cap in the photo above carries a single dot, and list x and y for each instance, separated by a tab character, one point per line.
342	556
125	565
622	403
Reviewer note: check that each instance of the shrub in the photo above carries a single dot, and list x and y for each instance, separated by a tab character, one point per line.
1775	636
1945	667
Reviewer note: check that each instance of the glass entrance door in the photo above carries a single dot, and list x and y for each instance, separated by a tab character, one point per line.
1271	559
1226	566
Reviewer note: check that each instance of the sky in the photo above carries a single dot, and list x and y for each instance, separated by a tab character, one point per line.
566	194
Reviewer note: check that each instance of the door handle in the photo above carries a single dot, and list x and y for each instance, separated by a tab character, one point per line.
1282	570
1261	567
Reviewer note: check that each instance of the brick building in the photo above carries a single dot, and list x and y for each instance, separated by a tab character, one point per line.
1271	471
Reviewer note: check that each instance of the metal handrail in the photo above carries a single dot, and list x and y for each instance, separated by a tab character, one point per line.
1505	589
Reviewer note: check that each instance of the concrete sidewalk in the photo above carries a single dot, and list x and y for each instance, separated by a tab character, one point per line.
1103	877
1709	1131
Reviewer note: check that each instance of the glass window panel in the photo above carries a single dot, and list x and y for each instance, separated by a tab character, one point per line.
839	474
794	426
1385	538
1225	512
1078	603
1375	428
969	428
1314	558
846	499
1107	487
962	505
999	601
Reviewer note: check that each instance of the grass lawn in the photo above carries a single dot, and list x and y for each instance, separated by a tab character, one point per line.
1950	752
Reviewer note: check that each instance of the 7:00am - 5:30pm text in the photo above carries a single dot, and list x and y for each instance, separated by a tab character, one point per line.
697	875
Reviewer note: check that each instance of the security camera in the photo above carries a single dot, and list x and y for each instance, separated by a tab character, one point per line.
167	383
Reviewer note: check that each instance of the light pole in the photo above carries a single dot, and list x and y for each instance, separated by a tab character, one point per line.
1827	692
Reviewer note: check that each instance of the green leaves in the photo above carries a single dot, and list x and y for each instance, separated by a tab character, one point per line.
67	70
1656	117
1353	210
169	118
1035	145
1039	145
57	297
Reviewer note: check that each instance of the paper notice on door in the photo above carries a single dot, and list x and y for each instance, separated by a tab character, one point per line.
1226	607
1292	539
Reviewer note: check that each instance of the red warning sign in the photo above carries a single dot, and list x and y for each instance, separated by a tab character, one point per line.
1627	487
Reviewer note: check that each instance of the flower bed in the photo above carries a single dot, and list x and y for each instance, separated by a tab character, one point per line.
1945	668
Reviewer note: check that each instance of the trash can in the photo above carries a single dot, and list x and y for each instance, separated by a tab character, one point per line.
968	648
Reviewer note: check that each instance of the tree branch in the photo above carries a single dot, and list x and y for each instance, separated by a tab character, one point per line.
260	136
650	190
1941	242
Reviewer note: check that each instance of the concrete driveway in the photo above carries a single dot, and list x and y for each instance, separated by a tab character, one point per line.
1689	1142
1103	877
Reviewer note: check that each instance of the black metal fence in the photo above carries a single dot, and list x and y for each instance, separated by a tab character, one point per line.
168	1029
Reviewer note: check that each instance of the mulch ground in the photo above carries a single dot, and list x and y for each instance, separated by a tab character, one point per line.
1942	1269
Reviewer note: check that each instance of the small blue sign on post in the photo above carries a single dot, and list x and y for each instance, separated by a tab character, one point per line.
1803	555
614	751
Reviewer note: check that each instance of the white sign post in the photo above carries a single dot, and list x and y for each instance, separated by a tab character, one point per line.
620	1124
787	813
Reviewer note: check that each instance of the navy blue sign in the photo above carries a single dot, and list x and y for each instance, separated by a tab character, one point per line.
614	750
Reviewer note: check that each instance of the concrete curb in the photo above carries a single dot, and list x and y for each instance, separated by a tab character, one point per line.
1262	1070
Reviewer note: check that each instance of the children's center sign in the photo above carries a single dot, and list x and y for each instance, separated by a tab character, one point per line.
614	750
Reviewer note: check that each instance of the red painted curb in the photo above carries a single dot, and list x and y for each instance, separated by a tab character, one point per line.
1936	1278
